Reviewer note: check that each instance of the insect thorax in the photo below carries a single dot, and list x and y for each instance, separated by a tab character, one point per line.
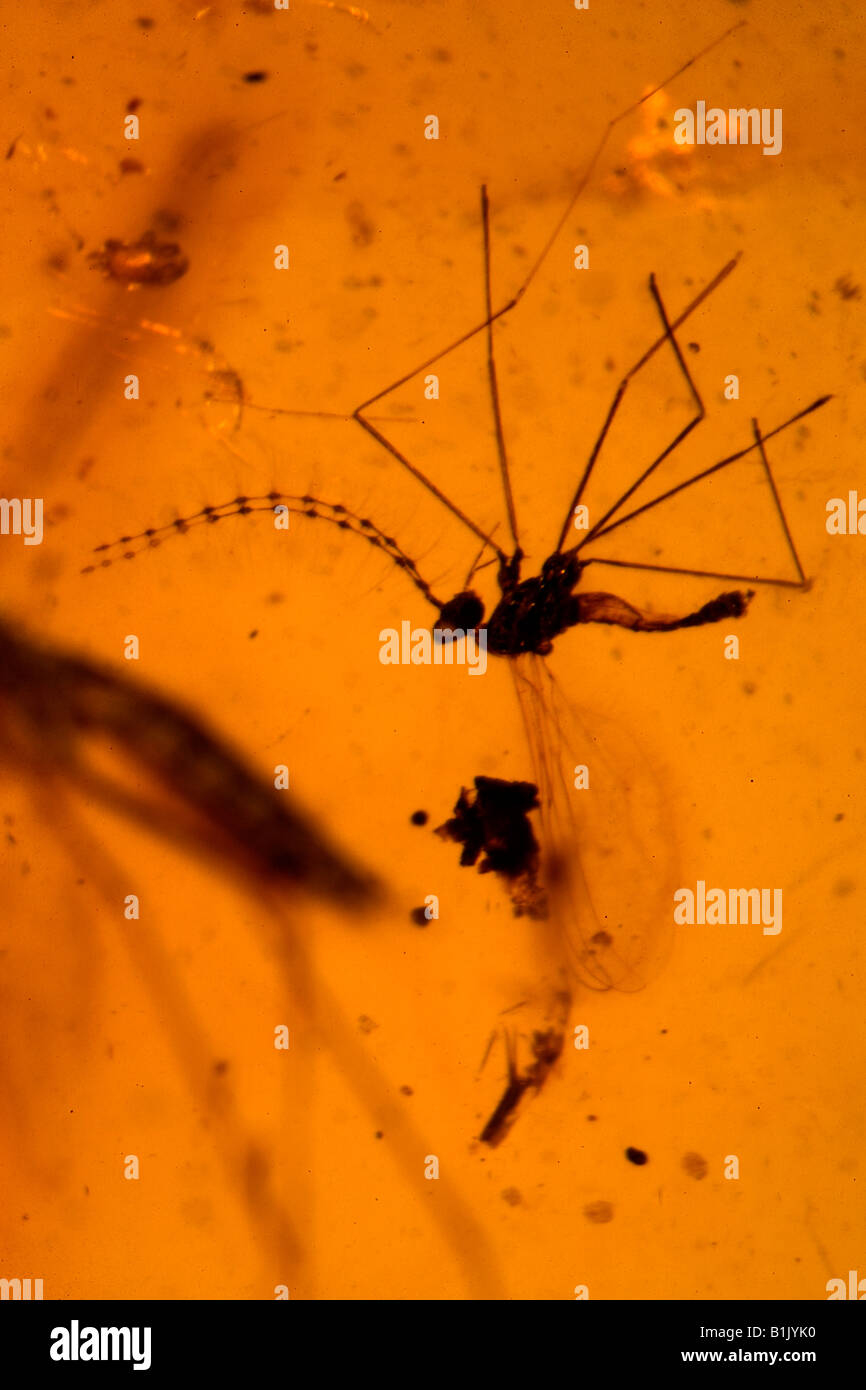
530	614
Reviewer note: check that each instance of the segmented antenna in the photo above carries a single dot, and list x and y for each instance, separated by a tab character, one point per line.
306	505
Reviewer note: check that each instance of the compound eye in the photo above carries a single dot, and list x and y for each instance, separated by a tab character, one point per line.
463	611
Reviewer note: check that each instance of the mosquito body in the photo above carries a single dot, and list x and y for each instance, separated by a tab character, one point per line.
602	896
532	612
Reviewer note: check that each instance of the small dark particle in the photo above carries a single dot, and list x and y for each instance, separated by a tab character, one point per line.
693	347
418	818
340	176
144	23
144	262
362	282
362	230
227	386
591	1118
840	815
255	77
366	1024
220	1068
406	1091
418	916
602	938
512	1196
380	1134
11	149
636	1156
168	221
599	1213
696	1166
254	633
133	104
846	289
130	166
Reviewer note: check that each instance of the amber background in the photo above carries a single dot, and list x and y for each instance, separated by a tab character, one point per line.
743	1044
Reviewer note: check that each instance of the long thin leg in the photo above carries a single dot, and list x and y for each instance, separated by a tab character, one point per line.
323	414
650	352
491	317
504	471
618	396
431	486
700	574
760	440
549	243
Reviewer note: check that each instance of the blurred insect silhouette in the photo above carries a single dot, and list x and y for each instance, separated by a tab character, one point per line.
99	734
60	713
57	700
595	884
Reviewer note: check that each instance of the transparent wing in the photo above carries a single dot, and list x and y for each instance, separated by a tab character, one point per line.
607	842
